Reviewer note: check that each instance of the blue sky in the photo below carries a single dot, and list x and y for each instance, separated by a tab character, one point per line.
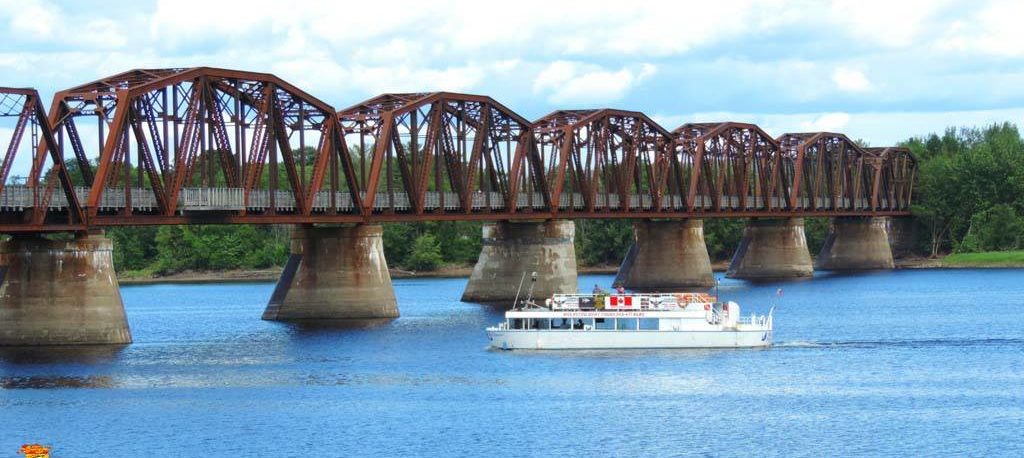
879	71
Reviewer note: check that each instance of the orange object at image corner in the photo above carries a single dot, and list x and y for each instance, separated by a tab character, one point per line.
35	451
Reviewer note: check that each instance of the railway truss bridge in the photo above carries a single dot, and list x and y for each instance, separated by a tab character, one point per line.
215	146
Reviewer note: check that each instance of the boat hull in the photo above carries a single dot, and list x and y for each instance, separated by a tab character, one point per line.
522	339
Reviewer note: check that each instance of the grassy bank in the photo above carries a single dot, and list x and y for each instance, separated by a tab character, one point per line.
985	259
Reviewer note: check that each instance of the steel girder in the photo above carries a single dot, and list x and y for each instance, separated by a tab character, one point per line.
42	181
603	161
468	153
894	188
202	127
828	171
728	166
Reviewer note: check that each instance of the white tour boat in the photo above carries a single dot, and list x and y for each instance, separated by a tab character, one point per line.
605	321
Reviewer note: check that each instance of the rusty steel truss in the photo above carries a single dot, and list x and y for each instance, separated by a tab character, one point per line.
206	146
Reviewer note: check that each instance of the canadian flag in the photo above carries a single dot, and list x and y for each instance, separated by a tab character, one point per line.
622	301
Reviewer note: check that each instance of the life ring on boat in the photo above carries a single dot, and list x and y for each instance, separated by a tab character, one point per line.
707	307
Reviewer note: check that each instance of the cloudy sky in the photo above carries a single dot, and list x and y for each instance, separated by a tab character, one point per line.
877	70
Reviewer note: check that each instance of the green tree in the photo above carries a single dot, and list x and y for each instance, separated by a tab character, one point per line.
602	242
999	228
174	252
134	247
426	254
722	236
816	230
398	240
963	173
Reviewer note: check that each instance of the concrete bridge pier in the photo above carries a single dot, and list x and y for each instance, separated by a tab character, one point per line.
772	249
902	235
334	273
856	243
513	248
60	292
667	256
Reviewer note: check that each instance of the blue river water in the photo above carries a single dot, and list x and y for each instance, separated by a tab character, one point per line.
909	362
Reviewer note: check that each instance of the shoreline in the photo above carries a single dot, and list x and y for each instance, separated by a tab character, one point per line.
271	275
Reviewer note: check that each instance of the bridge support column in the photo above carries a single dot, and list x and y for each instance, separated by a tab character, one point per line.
856	243
57	292
666	256
902	236
334	273
512	248
772	249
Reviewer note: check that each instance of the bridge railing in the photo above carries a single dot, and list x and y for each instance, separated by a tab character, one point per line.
233	199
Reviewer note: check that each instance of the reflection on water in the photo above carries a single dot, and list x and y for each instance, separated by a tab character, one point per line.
10	383
83	354
893	363
314	326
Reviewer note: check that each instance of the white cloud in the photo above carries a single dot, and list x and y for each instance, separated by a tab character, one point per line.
39	21
102	33
886	22
850	80
35	20
575	82
827	122
993	29
377	80
815	59
462	27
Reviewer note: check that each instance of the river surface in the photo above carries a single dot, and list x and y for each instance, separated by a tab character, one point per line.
912	362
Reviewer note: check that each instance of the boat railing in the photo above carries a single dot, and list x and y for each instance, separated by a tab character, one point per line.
753	319
639	302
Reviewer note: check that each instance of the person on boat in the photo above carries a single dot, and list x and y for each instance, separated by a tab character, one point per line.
597	289
620	289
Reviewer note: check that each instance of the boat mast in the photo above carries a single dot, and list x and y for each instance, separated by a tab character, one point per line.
533	282
516	302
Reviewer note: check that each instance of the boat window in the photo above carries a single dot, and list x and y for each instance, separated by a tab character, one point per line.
626	324
648	324
537	323
604	323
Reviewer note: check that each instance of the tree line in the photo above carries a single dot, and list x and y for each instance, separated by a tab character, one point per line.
969	197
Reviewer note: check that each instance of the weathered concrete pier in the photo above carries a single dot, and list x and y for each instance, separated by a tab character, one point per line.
60	292
772	249
513	248
666	256
902	235
334	273
856	243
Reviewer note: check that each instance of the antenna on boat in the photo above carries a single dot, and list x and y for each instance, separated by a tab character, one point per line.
717	283
533	282
521	279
